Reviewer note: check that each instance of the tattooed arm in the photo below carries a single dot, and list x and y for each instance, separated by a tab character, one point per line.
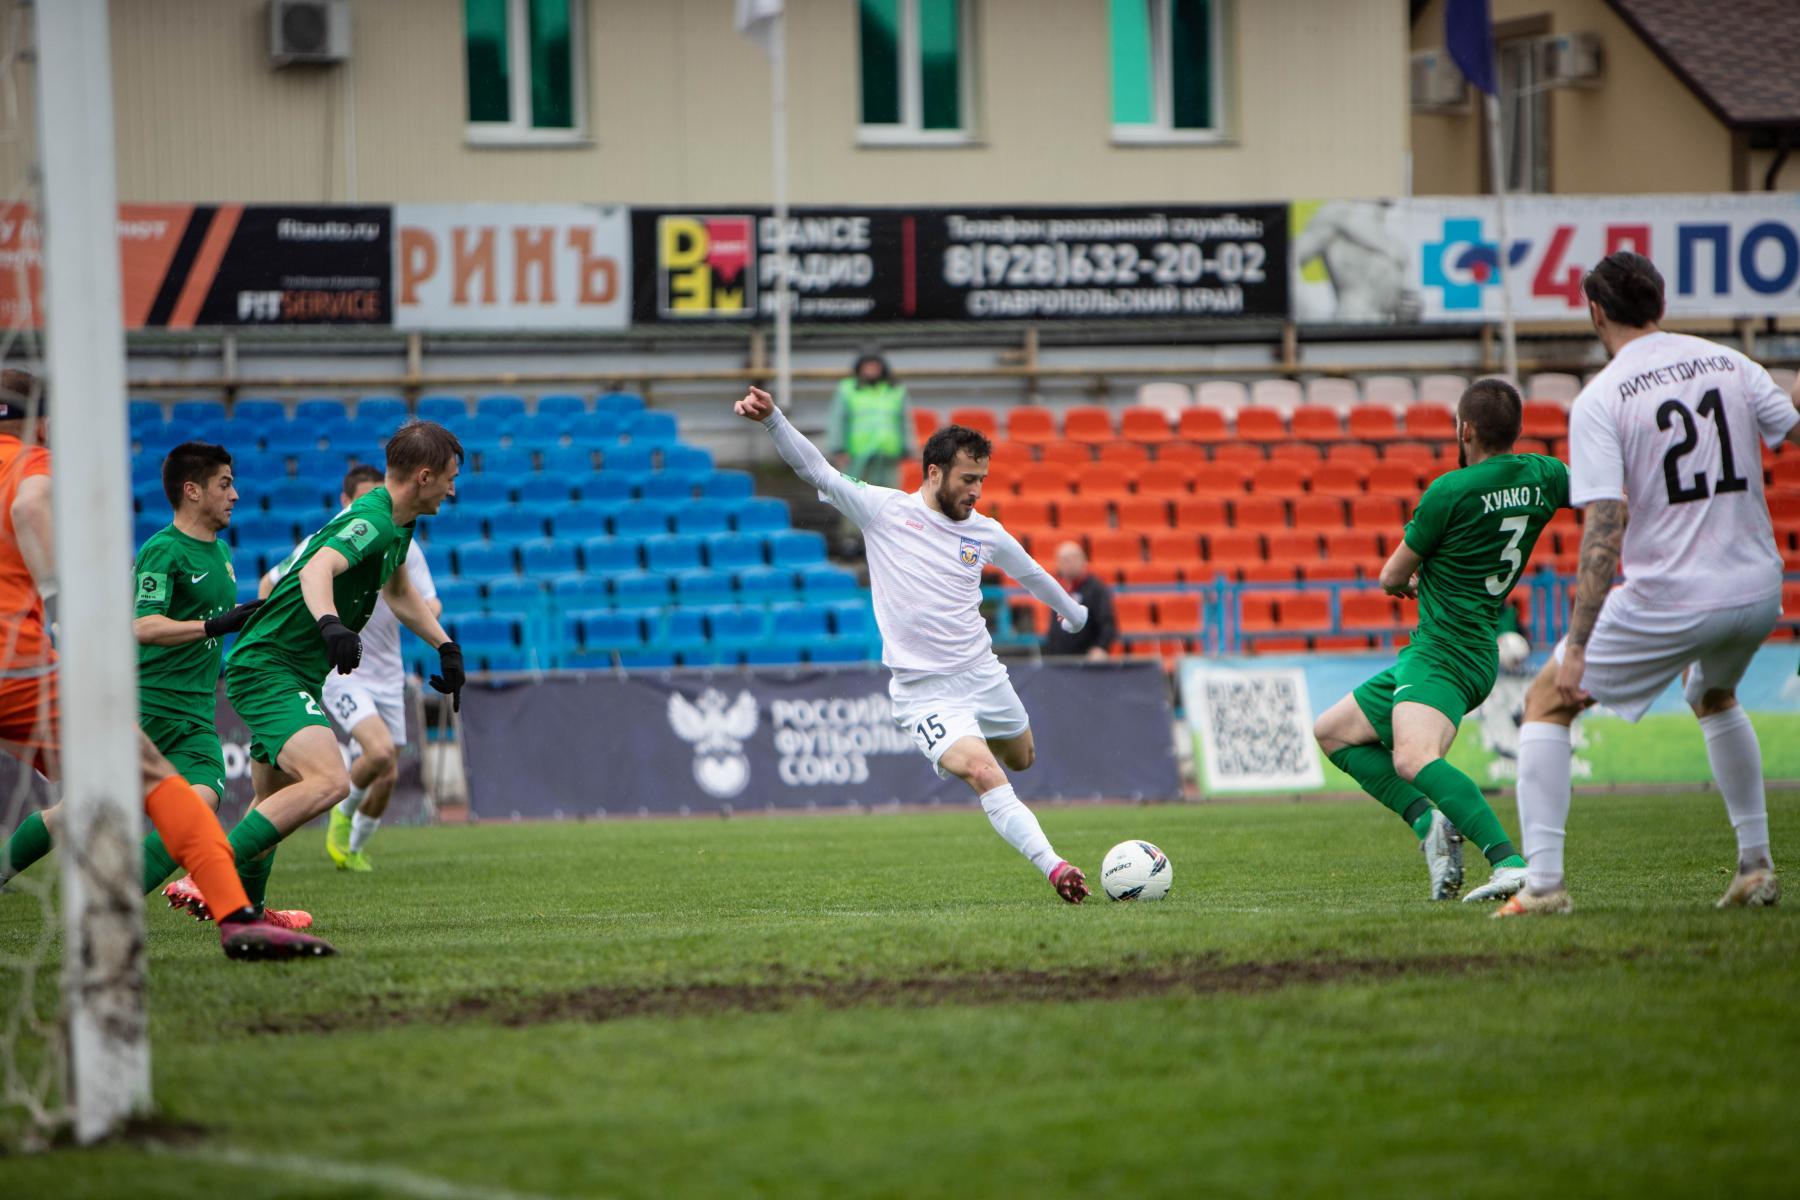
1601	536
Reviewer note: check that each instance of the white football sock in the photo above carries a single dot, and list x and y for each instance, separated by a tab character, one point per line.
361	830
349	804
1543	801
1014	822
1736	759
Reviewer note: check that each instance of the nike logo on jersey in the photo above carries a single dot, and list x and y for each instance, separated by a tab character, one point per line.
199	577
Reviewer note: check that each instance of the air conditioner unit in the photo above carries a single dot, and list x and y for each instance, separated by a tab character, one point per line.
1569	60
309	31
1437	83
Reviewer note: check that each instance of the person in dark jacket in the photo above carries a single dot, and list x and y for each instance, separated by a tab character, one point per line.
1096	638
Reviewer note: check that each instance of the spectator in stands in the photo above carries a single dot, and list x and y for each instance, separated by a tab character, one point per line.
1095	639
870	429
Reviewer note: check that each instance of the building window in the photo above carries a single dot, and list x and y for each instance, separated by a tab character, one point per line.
1165	70
915	70
1524	118
524	66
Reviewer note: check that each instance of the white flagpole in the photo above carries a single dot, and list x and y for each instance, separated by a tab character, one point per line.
778	155
1509	341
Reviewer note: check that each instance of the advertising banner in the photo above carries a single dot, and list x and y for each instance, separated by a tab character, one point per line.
683	741
511	266
1664	747
1439	258
187	265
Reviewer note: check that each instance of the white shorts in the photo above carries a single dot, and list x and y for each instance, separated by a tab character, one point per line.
940	710
1636	649
350	703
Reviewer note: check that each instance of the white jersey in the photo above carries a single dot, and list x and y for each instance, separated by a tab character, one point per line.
1671	427
381	670
924	568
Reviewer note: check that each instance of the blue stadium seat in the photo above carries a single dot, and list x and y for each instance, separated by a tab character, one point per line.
773	654
640	589
761	514
609	555
496	661
734	551
457	595
648	659
561	404
549	556
641	520
570	592
515	523
610	485
622	404
796	547
147	496
322	412
798	623
609	632
476	632
476	430
145	412
535	433
482	492
503	460
628	458
482	561
289	438
247	584
301	495
453	528
680	632
145	524
575	463
155	444
317	466
366	437
700	516
670	485
851	619
442	409
699	586
500	408
687	458
600	429
652	429
543	491
258	410
381	408
672	552
188	413
738	629
517	594
765	584
219	433
262	528
822	582
578	522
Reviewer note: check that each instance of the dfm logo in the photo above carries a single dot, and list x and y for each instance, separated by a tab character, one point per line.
1464	261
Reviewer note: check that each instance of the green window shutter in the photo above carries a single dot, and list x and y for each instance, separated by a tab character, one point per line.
1190	63
552	65
940	63
880	62
1132	101
486	57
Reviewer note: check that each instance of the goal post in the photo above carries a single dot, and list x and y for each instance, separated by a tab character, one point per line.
103	912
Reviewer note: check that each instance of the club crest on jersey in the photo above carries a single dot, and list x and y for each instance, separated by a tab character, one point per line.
969	552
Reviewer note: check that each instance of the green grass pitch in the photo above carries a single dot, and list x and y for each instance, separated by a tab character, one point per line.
896	1005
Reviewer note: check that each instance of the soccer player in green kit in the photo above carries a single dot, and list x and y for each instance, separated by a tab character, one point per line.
1463	551
308	627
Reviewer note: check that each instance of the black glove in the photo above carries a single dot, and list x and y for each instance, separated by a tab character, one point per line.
231	622
343	649
449	678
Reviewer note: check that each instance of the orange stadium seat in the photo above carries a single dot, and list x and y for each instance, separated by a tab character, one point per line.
1239	545
1374	612
1376	512
1115	548
1088	423
925	423
1175	545
1317	512
1373	423
1280	645
1045	479
1358	546
912	474
1239	454
1202	514
1143	513
1179	614
1268	572
1105	479
1293	546
1304	453
1416	454
1308	611
1534	445
1339	479
1563	531
1784	509
1545	419
1129	454
1163	479
1358	454
1430	422
982	420
1141	574
1070	453
1030	426
1260	425
1316	424
1018	510
1135	614
1259	512
1040	541
1144	424
1784	475
1279	479
1182	452
1082	512
1399	480
1330	571
1220	479
1256	612
1201	425
1338	643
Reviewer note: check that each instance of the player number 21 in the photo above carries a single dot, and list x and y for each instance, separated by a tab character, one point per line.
1497	584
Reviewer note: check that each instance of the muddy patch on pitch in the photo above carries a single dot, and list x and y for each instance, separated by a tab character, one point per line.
1196	977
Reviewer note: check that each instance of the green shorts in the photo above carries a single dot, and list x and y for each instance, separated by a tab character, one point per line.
192	749
1424	675
275	705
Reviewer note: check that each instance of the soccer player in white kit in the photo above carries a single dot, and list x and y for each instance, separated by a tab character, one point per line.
926	551
1664	458
369	703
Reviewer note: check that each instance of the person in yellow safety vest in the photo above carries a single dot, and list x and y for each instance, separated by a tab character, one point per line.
870	431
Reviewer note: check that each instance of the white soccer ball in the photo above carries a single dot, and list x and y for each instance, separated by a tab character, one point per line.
1513	649
1136	871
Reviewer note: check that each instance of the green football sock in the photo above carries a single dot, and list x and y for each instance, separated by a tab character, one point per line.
1459	799
1372	767
158	864
255	876
250	838
29	842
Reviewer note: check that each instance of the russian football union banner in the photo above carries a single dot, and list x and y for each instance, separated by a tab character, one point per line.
1440	258
511	266
685	741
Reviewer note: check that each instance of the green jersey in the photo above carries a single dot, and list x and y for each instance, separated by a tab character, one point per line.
184	579
283	635
1475	529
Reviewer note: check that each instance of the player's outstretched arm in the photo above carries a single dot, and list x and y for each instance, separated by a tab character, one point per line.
855	499
158	630
420	615
1399	575
1010	557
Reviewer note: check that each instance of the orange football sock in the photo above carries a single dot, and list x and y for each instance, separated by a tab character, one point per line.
196	839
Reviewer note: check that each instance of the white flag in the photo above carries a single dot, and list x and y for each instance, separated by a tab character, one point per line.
756	19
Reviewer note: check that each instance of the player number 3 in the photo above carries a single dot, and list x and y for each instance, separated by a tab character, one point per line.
1497	584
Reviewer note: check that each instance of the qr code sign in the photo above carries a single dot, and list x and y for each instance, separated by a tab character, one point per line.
1255	729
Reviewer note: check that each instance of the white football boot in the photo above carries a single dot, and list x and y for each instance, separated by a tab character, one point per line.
1503	883
1442	848
1755	888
